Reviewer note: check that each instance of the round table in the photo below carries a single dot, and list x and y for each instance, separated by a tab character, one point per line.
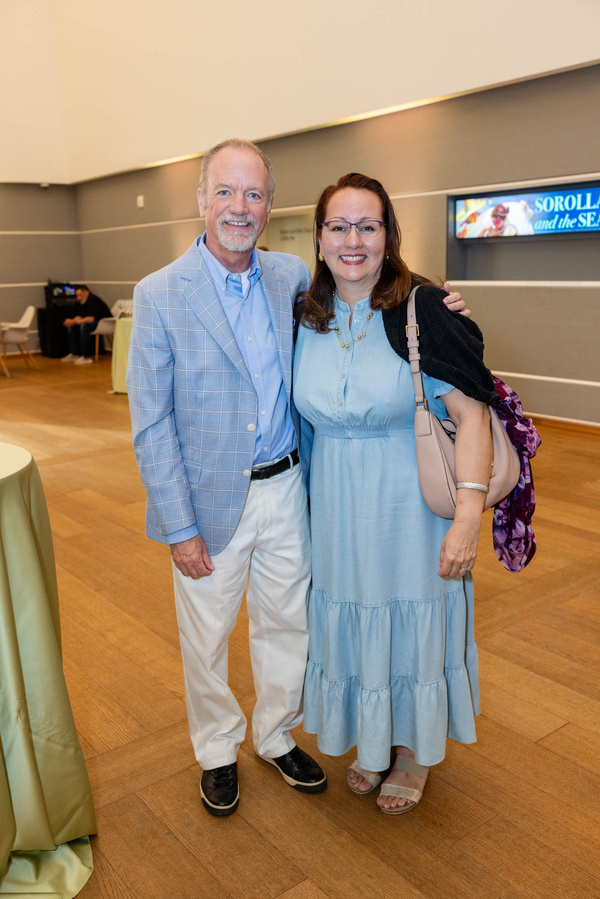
46	809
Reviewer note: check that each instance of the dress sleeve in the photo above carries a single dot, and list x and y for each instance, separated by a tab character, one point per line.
434	387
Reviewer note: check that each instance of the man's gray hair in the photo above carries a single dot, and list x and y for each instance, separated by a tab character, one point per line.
238	144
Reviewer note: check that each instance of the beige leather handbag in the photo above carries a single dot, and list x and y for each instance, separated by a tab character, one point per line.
434	441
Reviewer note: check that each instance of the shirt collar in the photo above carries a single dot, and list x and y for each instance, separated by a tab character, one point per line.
218	271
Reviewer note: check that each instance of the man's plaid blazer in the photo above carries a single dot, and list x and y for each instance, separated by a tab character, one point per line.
193	404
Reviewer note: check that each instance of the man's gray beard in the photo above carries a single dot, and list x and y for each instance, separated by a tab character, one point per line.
238	243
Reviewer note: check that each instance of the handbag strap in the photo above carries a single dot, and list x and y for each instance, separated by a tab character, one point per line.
412	339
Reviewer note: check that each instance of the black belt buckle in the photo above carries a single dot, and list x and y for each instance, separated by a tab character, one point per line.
269	471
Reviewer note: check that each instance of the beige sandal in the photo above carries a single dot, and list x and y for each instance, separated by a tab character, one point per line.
403	763
372	776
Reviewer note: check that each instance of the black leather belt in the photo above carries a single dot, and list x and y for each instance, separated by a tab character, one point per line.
268	471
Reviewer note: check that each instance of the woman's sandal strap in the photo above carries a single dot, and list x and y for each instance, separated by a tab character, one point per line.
373	777
400	792
404	763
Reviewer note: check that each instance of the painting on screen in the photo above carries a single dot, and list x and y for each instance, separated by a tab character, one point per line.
565	211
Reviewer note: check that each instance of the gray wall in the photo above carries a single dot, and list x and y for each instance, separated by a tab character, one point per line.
537	129
543	331
547	128
121	243
39	240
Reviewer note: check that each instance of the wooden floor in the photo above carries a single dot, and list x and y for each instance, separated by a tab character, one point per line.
515	815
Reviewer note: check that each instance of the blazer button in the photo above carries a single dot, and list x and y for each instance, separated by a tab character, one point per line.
252	427
247	472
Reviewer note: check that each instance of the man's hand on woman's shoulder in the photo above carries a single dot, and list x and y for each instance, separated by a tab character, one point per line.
455	302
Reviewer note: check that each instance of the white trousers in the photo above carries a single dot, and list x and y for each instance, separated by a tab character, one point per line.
269	556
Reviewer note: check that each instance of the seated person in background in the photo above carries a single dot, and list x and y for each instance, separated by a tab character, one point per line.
81	326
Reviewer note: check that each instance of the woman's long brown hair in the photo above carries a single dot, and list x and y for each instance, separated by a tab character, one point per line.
395	280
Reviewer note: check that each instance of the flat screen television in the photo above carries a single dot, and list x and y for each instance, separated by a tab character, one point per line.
59	293
565	209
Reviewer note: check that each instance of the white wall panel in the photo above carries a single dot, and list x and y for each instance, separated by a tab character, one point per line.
146	81
33	144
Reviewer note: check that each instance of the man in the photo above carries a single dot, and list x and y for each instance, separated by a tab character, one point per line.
80	327
215	435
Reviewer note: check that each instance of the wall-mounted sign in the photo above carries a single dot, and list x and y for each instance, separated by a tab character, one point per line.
290	234
568	210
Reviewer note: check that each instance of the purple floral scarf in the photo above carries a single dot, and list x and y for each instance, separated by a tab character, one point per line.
514	540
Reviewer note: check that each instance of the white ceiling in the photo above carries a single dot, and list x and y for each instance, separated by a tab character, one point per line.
101	87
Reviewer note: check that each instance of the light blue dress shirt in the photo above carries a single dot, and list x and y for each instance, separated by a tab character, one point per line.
246	308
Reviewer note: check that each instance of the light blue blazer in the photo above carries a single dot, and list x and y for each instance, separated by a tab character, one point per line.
193	406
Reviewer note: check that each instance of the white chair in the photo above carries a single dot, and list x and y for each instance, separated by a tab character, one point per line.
17	334
106	326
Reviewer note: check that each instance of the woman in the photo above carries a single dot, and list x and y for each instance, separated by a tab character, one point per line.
392	661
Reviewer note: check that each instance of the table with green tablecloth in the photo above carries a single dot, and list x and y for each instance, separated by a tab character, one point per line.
120	354
46	809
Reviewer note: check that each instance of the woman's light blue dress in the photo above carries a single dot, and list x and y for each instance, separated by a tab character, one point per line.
392	658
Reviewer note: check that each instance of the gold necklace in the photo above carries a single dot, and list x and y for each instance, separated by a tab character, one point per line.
358	336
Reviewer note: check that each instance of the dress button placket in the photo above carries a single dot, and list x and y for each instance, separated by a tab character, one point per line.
347	354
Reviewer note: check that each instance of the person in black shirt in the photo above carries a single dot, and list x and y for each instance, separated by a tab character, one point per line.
81	326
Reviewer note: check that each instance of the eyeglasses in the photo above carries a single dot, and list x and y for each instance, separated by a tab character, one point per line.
366	228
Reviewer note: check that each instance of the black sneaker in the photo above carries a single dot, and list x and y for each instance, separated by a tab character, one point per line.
300	771
219	790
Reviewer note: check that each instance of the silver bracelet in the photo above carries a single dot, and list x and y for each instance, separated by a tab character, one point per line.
469	485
